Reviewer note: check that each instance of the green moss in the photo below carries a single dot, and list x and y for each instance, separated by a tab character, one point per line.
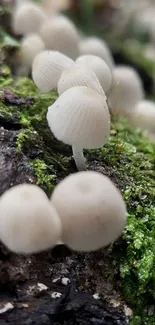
35	138
46	176
26	136
129	158
132	159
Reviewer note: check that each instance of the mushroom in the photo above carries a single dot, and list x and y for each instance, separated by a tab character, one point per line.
47	68
98	47
79	76
126	92
31	45
54	6
28	223
61	35
91	209
27	18
100	67
144	116
80	118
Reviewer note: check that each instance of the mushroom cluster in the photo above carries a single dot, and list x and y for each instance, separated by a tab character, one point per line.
80	213
86	211
61	57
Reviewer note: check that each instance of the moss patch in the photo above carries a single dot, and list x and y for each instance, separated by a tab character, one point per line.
132	157
129	158
23	103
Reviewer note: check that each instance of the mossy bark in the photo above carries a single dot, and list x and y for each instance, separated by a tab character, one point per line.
30	153
128	159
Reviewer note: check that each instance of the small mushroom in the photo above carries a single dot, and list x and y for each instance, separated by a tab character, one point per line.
100	67
92	210
28	223
126	91
47	68
54	6
143	116
98	47
31	45
78	75
80	118
61	35
27	18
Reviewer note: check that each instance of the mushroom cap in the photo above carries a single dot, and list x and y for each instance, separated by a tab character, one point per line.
78	75
98	47
28	223
31	45
144	116
54	6
47	68
91	209
80	117
100	67
126	91
28	18
61	35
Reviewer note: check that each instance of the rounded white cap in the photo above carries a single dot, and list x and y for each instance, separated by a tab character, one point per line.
98	47
91	209
80	117
100	67
31	45
78	75
54	6
28	18
61	35
47	68
144	116
28	223
126	92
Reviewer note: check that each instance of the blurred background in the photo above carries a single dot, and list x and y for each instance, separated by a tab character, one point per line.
127	26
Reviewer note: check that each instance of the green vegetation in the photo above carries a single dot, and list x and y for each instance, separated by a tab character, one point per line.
132	158
34	139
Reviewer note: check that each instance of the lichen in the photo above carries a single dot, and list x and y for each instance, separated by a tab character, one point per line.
129	156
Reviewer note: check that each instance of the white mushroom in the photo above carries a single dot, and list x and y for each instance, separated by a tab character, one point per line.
144	116
31	45
47	69
61	35
126	92
80	118
28	223
54	6
100	67
78	75
28	18
91	209
98	47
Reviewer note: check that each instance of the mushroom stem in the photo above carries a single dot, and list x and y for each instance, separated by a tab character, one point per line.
79	158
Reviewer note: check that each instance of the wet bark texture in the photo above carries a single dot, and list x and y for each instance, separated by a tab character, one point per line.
28	295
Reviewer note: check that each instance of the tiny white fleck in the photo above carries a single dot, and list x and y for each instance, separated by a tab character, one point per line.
96	296
128	311
41	287
65	281
6	307
55	280
56	295
115	303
